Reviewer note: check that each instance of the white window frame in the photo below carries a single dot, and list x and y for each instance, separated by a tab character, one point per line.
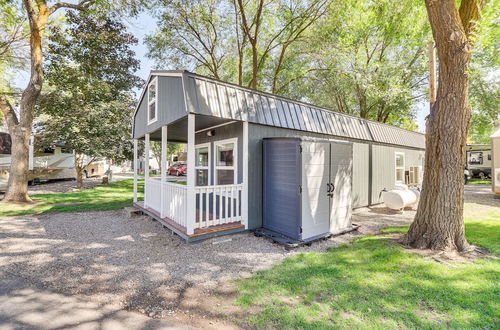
235	159
204	145
396	167
154	81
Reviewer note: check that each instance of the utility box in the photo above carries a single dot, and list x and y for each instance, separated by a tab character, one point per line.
307	187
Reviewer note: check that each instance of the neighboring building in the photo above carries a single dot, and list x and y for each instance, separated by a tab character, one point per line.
55	163
479	160
224	126
495	165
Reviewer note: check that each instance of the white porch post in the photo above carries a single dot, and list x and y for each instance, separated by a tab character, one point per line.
146	166
135	170
163	168
191	202
244	193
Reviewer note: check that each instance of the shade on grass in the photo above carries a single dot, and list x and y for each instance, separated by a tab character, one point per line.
103	197
374	283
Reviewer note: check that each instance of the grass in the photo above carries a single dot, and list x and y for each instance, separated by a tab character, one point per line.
478	181
103	197
374	283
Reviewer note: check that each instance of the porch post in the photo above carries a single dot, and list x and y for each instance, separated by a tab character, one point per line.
163	168
135	170
146	166
191	202
244	193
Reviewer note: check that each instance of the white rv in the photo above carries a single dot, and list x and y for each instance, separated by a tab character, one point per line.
51	164
479	160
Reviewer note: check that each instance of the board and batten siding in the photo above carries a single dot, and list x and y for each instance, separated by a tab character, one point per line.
382	167
230	131
171	106
383	157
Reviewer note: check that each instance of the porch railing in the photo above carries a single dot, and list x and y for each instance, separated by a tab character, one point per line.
152	197
175	202
216	205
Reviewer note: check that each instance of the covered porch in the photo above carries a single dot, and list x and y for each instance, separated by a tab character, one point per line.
213	200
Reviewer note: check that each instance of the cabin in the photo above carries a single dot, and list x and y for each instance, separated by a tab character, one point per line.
224	126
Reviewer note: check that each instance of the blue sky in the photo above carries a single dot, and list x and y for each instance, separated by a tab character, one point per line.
144	24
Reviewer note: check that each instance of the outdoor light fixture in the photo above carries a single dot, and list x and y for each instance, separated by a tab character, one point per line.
211	133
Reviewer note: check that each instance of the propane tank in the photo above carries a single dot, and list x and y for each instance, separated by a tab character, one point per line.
399	198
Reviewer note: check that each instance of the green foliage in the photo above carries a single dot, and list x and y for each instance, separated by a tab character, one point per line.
374	283
90	75
367	58
112	196
484	89
172	149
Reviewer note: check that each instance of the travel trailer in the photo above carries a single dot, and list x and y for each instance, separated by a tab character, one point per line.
479	160
54	163
225	126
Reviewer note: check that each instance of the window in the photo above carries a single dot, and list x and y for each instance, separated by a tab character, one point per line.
489	156
152	98
400	167
226	161
476	158
202	163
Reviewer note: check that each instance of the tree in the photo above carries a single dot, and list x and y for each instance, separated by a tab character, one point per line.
90	74
484	89
439	223
20	126
242	41
364	58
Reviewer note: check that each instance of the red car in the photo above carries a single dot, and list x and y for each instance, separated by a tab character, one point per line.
177	169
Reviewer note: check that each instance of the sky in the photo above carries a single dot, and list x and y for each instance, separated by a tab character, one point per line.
144	24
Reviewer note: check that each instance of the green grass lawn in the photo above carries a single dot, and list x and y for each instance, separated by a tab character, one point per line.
478	181
103	197
374	283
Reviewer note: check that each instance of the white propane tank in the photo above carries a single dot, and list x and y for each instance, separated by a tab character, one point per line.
398	198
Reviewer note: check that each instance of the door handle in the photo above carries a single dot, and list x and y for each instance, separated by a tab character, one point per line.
333	187
328	188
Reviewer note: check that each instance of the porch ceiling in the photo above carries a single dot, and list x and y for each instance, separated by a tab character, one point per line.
177	131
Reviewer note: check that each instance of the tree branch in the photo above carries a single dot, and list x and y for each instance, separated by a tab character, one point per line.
470	13
82	5
8	112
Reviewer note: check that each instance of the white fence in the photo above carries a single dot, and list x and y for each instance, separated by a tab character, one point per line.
175	202
152	197
217	205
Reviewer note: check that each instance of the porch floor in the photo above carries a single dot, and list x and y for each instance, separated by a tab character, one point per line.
199	233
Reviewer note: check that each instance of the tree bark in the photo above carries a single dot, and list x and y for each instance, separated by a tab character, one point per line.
438	223
20	129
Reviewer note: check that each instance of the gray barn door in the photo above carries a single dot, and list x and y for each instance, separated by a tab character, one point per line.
315	177
341	177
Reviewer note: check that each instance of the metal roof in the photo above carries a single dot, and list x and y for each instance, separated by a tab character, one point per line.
217	98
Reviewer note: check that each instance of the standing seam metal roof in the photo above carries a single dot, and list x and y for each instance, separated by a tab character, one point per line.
217	98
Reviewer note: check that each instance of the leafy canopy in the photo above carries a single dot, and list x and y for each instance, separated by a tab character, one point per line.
90	73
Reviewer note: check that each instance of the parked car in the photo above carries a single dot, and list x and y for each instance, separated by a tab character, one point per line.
177	169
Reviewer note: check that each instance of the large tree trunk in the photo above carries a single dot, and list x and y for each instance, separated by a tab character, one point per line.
439	223
17	189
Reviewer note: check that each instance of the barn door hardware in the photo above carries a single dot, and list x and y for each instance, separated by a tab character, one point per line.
331	189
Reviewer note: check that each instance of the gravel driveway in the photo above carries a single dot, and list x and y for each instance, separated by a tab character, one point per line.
134	262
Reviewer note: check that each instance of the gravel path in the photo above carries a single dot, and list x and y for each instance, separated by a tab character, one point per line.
134	261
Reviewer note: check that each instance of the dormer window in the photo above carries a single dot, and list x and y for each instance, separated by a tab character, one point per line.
152	101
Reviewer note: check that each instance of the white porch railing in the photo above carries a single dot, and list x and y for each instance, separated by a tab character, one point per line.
175	202
152	196
216	205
